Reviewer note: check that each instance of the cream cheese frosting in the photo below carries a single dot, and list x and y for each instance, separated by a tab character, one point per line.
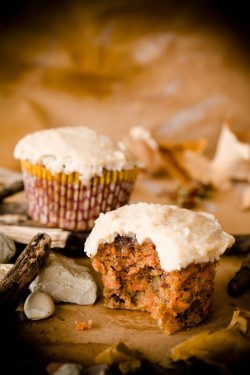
181	236
74	149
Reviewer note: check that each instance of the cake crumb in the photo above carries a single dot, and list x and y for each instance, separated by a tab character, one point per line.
82	326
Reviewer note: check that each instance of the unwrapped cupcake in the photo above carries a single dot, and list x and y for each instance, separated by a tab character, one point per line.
72	174
158	258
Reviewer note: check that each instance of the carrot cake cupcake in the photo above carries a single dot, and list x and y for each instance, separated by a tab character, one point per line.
158	258
71	174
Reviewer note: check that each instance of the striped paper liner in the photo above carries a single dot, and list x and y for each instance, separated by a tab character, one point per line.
64	201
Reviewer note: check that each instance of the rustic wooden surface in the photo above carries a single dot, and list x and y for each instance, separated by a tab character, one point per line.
112	65
56	338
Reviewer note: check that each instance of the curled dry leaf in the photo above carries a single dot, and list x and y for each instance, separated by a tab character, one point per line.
185	160
164	155
228	346
232	166
235	164
141	142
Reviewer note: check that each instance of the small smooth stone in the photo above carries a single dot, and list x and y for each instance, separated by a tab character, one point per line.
39	305
69	369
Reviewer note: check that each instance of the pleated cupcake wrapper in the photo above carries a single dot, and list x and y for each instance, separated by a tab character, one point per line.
64	201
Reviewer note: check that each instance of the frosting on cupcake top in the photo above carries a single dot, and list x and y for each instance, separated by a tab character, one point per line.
180	236
74	149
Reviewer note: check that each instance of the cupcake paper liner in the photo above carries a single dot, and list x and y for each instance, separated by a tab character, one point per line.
64	201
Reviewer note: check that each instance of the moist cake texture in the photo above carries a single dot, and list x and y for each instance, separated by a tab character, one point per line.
160	259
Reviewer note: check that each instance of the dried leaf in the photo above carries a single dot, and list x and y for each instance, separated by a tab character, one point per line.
227	346
236	163
164	155
116	354
141	142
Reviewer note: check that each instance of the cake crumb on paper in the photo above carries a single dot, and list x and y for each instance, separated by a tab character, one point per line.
83	326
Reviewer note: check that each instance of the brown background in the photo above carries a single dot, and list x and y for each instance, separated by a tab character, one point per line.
111	65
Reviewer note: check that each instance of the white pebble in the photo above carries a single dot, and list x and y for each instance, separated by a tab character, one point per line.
39	305
69	369
66	281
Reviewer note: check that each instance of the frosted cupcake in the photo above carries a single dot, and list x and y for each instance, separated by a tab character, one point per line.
160	259
72	174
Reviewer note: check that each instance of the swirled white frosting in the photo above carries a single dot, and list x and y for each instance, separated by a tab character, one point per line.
74	149
181	236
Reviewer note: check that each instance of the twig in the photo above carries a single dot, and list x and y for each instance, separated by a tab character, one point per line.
28	265
59	238
22	234
241	280
241	245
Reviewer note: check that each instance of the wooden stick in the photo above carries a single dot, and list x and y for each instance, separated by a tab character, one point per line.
241	280
28	265
22	234
59	238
